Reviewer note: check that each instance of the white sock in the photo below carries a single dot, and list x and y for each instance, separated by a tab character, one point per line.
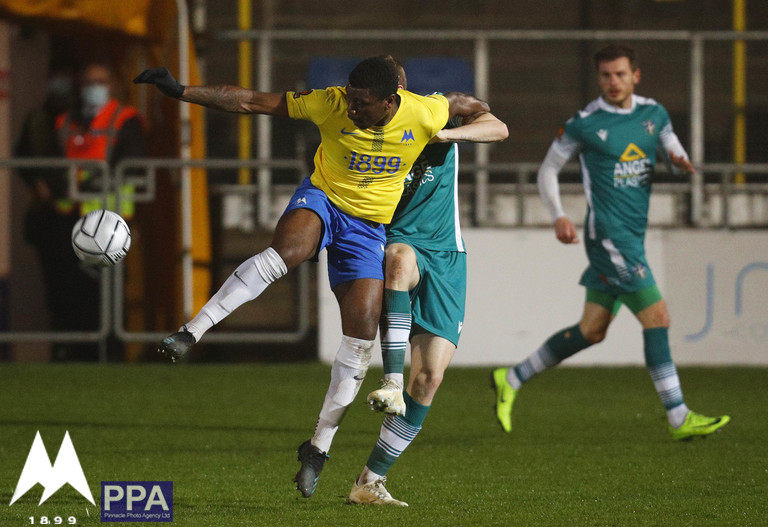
677	415
248	281
395	377
347	374
367	476
513	379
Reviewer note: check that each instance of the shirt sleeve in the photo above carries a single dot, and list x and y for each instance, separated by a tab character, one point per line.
440	112
312	105
549	189
669	142
567	143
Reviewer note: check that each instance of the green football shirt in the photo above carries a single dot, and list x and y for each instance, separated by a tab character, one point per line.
428	213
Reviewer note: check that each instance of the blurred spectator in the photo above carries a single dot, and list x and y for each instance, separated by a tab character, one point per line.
101	127
91	125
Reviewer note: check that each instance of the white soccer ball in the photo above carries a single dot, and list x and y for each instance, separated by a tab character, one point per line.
101	238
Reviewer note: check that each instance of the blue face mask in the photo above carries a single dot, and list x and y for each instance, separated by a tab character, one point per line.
95	96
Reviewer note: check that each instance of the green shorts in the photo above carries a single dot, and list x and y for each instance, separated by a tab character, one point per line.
636	301
616	268
437	301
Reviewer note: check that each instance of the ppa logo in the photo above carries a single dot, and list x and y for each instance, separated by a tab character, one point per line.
38	469
136	501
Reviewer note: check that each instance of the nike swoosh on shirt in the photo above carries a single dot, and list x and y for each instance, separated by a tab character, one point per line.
344	132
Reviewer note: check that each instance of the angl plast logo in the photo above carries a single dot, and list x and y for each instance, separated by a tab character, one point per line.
38	469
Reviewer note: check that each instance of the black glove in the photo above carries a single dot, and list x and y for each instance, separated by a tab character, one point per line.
163	79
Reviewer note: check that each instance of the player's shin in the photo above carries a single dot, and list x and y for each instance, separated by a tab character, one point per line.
658	360
347	374
397	433
395	330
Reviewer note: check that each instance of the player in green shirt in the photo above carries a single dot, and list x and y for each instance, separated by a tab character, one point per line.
616	138
425	285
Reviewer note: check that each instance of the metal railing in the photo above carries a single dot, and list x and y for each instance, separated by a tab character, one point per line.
480	45
514	179
112	279
105	322
519	180
151	167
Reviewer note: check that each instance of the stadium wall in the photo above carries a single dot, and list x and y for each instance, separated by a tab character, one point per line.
522	286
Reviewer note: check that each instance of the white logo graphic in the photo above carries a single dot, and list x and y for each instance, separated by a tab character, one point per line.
602	134
38	469
461	325
301	201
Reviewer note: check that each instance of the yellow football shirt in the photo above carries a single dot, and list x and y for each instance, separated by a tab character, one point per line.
362	171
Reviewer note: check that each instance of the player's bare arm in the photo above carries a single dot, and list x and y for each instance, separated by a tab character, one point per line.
465	105
483	127
226	98
236	99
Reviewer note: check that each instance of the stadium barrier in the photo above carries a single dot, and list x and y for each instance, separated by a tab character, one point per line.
508	199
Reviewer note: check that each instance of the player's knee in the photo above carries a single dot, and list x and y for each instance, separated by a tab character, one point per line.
427	382
661	320
594	334
400	264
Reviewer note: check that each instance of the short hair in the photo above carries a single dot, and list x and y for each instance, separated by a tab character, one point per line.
401	79
376	74
616	51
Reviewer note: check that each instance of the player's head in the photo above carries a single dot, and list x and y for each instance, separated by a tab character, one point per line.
96	85
617	74
371	91
402	81
616	51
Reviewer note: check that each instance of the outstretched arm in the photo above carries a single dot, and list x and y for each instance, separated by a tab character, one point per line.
237	100
226	98
480	128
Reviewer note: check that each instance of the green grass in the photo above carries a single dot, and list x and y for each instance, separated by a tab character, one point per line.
589	447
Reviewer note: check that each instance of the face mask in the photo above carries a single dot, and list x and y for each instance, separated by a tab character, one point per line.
95	96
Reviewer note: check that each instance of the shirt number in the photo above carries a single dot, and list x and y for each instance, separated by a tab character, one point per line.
365	163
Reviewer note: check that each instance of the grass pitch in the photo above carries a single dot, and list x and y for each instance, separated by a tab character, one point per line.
589	447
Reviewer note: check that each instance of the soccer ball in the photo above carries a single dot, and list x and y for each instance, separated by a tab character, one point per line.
101	238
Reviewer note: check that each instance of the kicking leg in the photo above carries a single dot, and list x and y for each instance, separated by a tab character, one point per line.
295	240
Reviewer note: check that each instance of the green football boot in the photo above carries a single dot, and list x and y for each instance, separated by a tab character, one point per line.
698	425
505	397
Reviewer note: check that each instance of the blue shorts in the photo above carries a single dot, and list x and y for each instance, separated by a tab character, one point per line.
355	246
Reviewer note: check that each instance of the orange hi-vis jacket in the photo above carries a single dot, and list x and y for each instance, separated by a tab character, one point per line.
96	142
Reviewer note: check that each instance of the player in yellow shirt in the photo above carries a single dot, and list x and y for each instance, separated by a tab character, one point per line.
371	133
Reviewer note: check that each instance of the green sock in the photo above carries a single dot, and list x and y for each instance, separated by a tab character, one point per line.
395	329
396	434
658	360
557	348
